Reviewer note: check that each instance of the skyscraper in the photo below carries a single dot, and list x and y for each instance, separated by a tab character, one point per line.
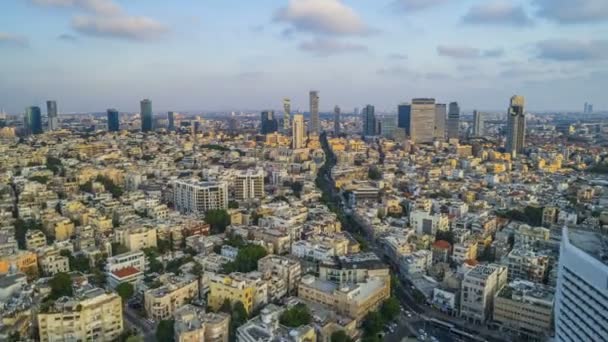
336	120
369	120
51	111
440	117
422	126
582	296
478	124
387	126
171	119
33	120
453	120
297	132
404	116
286	115
113	120
516	126
146	115
269	122
314	112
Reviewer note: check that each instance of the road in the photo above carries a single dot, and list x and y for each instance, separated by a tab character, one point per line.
143	327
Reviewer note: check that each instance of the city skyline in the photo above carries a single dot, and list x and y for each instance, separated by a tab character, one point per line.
547	50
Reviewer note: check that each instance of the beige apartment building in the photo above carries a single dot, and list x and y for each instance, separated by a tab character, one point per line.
34	239
525	309
136	238
353	268
160	303
478	289
95	316
249	184
194	325
284	268
354	300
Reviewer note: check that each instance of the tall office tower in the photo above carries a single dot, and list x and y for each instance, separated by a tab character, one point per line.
171	119
356	111
453	120
590	109
286	115
233	124
33	120
336	120
113	120
146	115
516	126
581	300
478	124
314	112
422	120
440	117
51	111
269	122
369	120
387	126
298	132
249	184
195	197
585	108
404	117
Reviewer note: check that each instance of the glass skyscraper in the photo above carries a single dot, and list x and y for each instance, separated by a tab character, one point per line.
171	119
516	126
404	117
146	115
51	111
269	122
33	120
113	120
369	120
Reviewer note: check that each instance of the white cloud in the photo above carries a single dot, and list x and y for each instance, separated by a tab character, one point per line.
322	16
96	6
13	39
573	11
498	12
327	47
126	27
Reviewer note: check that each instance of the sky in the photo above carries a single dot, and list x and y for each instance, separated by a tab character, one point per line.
211	55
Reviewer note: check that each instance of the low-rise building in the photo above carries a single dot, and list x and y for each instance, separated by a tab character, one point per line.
34	239
136	238
353	268
193	325
266	327
282	267
226	287
478	289
160	303
52	264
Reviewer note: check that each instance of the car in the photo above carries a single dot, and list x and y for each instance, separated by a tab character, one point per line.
421	331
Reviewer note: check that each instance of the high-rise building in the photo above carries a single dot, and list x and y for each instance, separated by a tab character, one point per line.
249	184
194	197
113	120
146	115
404	117
478	290
171	120
33	120
298	132
356	111
369	120
453	120
269	123
387	126
51	111
478	124
422	120
286	115
93	316
581	300
516	126
314	112
337	120
440	117
588	109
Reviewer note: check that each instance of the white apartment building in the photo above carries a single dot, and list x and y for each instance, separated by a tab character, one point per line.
249	184
581	302
195	197
426	223
136	238
416	263
478	289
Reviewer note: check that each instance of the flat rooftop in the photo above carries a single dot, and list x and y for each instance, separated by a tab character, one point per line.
591	242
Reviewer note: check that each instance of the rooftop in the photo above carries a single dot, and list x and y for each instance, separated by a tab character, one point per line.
529	292
591	242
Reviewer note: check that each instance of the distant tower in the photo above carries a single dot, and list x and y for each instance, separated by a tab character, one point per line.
171	119
286	114
314	112
269	122
232	123
586	108
422	124
298	132
113	120
337	120
440	117
478	124
33	120
516	126
356	111
404	117
369	120
453	120
146	115
51	111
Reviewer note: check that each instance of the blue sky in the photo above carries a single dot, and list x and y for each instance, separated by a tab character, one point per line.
236	55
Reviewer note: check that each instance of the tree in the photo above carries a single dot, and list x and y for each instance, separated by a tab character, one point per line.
340	336
446	235
297	187
40	179
373	323
125	291
218	219
246	260
238	317
61	285
226	306
233	205
165	331
53	164
117	248
114	189
374	174
21	228
296	316
390	309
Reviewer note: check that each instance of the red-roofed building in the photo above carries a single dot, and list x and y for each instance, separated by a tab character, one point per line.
128	274
441	251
